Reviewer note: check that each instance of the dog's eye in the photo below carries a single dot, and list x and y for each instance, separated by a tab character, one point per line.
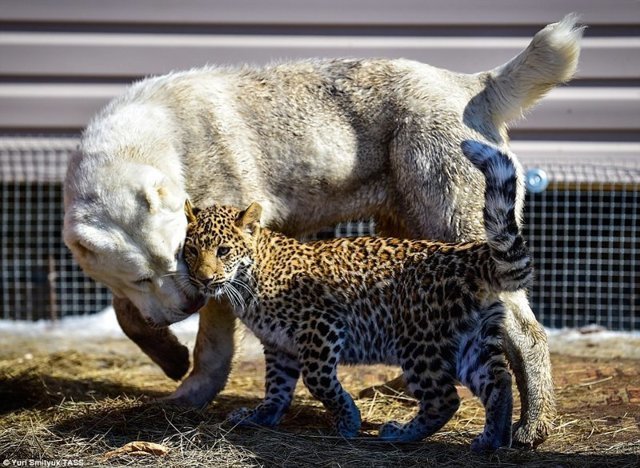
143	281
223	250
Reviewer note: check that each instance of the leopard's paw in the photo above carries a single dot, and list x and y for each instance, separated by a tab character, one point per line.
394	431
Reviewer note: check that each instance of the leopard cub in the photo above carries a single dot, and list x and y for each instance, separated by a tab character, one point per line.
432	308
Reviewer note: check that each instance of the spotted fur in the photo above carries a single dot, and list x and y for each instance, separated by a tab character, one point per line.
430	307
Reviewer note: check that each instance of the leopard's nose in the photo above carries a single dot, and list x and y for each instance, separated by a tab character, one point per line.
206	281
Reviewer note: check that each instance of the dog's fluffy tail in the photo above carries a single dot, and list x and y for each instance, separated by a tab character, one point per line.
550	59
513	268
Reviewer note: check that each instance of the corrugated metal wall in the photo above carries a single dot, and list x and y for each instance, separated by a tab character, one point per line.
60	61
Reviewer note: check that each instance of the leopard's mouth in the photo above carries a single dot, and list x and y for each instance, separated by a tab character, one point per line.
217	289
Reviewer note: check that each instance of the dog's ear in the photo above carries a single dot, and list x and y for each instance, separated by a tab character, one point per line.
191	211
84	255
81	239
159	192
249	219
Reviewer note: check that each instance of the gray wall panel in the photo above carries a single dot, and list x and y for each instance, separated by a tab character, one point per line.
127	55
329	12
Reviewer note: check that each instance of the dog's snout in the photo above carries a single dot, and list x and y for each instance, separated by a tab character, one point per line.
157	323
195	305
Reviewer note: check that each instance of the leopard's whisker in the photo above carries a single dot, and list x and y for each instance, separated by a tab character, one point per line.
185	283
225	293
229	292
244	285
237	294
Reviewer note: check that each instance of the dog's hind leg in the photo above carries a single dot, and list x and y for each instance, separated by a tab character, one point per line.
528	353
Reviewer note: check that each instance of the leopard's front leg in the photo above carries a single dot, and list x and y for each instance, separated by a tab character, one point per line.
282	372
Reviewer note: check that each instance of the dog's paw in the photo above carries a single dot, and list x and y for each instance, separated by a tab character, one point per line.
530	435
176	401
195	391
176	364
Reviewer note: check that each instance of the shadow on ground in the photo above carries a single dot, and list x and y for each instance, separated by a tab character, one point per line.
81	405
304	439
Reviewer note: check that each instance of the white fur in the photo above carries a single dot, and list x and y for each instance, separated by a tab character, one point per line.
311	150
124	210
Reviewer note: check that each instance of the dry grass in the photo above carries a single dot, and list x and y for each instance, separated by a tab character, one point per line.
79	405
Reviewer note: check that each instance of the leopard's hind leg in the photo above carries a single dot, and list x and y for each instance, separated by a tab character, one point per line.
482	367
282	372
429	380
319	354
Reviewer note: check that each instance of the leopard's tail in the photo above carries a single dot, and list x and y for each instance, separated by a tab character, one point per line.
513	268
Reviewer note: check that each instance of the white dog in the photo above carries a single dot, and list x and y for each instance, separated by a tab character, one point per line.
315	142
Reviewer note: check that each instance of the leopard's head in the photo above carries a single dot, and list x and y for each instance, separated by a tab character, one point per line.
219	247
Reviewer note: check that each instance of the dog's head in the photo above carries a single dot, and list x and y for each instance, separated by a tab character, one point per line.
125	225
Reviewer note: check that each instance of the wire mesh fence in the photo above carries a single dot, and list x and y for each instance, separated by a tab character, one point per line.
39	278
583	229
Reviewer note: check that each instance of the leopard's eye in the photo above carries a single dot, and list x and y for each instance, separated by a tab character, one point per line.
223	250
191	250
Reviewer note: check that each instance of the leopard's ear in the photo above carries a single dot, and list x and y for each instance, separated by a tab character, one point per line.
191	211
249	219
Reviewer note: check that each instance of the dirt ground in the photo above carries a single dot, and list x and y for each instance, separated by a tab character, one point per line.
71	405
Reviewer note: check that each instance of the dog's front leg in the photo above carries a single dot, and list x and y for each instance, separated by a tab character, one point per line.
212	357
160	344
